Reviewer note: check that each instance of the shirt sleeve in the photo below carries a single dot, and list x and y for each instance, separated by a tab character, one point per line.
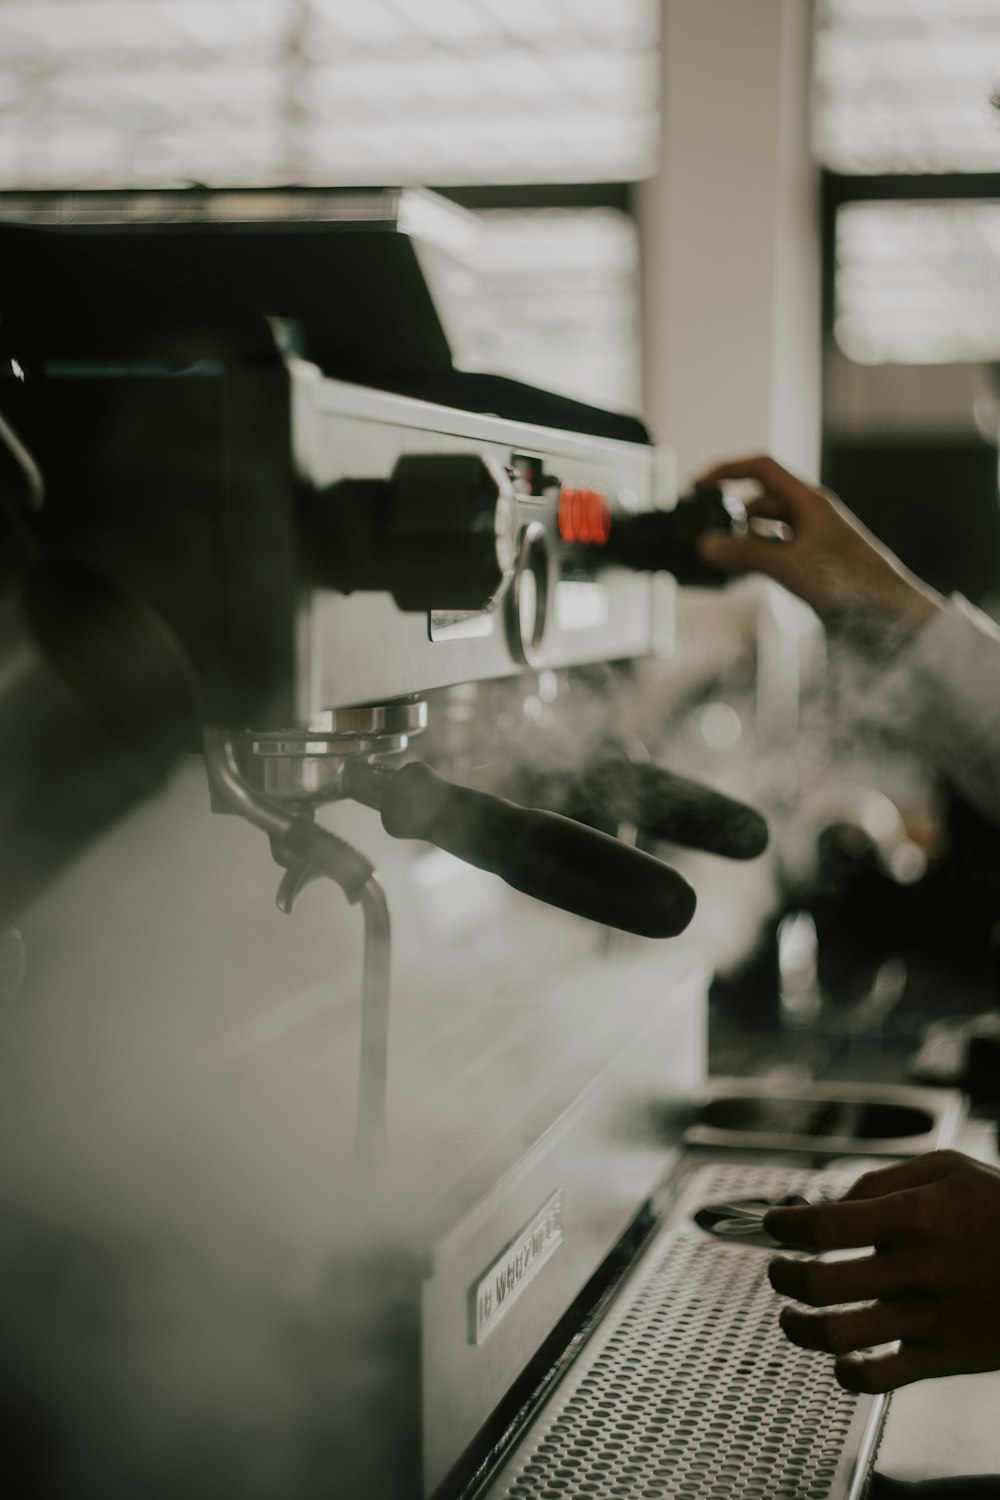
946	689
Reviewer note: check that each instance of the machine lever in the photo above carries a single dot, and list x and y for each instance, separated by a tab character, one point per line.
552	858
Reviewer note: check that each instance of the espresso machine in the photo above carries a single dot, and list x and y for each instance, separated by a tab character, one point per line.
289	566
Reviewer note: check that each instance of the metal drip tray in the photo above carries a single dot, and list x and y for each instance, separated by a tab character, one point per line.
828	1119
688	1386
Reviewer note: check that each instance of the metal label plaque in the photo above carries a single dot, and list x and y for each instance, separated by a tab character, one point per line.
496	1292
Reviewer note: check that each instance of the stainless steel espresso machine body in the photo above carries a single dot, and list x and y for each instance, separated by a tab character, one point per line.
546	611
405	599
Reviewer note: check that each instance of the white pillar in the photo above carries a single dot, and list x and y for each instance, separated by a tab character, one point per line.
730	232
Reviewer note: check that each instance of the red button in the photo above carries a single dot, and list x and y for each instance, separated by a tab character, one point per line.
584	516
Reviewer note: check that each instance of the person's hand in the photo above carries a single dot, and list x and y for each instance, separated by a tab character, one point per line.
931	1284
824	554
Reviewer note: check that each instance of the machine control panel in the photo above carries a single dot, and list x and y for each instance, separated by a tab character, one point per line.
457	547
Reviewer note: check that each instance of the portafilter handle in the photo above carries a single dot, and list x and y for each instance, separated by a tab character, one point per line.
543	854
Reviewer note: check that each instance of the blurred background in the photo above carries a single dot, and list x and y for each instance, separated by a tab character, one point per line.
767	226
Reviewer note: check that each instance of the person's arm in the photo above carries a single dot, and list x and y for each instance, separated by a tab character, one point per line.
930	1285
943	656
943	691
826	556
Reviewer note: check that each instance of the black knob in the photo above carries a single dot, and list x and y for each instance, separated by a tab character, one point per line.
667	539
439	534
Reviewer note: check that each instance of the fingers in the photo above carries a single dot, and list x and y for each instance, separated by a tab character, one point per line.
875	1374
904	1174
920	1292
830	1283
881	1208
843	1331
836	1226
743	554
784	490
769	508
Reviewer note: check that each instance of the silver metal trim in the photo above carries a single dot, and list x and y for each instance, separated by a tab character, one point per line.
308	764
340	399
534	558
408	716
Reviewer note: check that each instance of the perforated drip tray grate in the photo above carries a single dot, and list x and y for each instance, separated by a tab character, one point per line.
688	1387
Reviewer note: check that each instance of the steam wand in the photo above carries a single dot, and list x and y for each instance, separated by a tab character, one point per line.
310	853
370	1140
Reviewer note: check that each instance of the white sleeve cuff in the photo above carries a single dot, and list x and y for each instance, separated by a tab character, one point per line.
947	685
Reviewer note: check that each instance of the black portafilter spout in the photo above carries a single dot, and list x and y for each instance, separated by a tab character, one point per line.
611	790
552	858
666	540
